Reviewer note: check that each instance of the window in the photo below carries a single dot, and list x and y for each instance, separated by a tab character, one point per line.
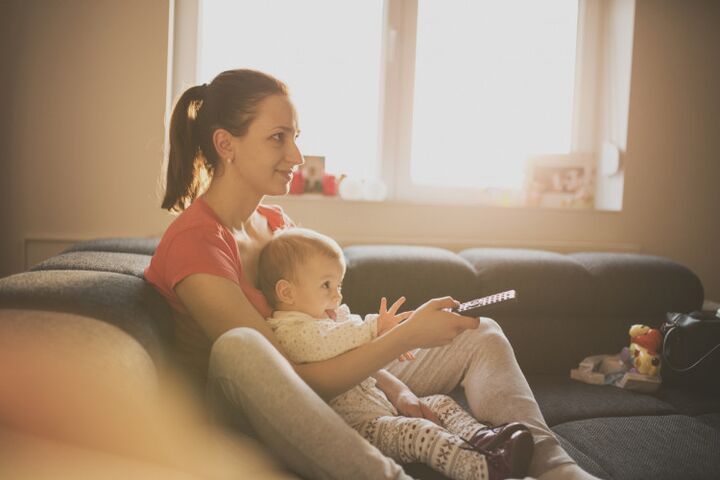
444	100
494	83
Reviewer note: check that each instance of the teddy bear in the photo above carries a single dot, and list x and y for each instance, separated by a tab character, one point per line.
644	349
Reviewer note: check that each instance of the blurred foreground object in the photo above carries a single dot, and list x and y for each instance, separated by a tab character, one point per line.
82	399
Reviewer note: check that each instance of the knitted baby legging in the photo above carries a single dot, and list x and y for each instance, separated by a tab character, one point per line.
408	440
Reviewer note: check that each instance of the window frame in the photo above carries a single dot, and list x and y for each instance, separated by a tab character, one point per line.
396	130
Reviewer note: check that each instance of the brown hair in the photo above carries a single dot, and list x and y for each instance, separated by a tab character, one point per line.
285	254
228	102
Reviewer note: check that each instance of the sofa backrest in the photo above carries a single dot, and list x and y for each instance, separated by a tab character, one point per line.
568	307
107	285
391	271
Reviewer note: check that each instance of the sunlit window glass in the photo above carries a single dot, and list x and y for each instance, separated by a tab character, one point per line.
493	84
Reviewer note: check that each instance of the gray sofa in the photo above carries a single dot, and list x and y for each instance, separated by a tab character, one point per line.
569	307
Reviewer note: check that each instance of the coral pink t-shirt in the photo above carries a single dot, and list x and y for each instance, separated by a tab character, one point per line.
197	242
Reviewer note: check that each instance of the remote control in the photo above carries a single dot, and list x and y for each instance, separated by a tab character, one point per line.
471	308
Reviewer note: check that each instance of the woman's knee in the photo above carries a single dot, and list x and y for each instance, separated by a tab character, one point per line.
489	336
487	328
489	325
233	349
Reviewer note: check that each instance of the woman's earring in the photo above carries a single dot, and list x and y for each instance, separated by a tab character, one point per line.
229	160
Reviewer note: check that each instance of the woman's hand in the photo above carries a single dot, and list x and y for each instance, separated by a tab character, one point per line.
434	325
388	319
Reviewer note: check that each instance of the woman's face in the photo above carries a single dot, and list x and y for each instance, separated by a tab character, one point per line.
266	156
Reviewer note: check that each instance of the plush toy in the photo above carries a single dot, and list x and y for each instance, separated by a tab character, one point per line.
635	368
644	349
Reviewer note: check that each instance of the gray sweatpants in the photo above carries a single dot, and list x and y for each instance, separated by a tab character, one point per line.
263	396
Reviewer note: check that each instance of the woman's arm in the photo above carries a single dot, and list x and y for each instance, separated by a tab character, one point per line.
430	325
219	305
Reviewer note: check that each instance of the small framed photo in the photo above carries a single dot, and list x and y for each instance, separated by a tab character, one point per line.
564	181
313	171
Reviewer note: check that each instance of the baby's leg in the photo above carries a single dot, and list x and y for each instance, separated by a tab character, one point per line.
453	417
483	362
410	440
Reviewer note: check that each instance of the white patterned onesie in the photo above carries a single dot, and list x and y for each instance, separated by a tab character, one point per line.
366	408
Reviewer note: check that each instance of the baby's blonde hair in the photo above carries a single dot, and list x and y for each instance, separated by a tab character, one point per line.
285	253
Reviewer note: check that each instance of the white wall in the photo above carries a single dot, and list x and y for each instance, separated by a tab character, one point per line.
672	189
87	129
6	36
88	100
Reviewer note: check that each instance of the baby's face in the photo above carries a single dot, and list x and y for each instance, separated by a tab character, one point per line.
318	286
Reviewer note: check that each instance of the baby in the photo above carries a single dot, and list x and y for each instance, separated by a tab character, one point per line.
301	274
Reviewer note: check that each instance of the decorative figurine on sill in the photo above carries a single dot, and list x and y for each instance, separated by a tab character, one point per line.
329	184
297	185
313	171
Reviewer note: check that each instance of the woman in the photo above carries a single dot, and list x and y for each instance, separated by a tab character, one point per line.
234	139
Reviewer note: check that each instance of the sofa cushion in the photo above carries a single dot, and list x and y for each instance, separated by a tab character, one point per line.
545	282
125	301
629	284
553	353
418	273
585	462
142	246
553	344
658	447
584	402
710	419
563	400
127	263
690	402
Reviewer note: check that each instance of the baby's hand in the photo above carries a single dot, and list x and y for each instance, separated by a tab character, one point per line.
406	356
388	319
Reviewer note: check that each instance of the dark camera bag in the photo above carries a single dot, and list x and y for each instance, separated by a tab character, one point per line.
691	350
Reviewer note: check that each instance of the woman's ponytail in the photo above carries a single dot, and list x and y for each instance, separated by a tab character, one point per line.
183	179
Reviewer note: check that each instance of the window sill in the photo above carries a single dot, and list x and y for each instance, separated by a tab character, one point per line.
321	199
